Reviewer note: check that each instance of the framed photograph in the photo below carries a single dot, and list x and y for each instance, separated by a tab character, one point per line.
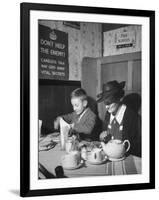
87	99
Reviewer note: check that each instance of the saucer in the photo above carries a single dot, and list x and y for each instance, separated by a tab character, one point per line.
75	167
97	162
116	159
47	147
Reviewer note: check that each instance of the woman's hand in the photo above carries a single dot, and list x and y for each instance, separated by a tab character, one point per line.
103	135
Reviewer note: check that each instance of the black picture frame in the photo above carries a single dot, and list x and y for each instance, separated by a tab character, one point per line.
25	9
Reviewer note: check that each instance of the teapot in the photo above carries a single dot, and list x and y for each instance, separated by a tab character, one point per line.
115	148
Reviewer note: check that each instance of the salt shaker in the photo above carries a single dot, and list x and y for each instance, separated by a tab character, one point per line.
84	152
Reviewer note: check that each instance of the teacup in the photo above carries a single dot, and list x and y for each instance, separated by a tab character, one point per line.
95	155
72	159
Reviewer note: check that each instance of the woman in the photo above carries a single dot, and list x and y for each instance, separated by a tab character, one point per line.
120	122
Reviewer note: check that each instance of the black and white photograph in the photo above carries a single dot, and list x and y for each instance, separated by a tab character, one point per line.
90	89
90	101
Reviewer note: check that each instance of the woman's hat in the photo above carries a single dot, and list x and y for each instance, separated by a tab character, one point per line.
112	90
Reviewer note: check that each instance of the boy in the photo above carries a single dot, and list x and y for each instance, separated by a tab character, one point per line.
120	122
82	120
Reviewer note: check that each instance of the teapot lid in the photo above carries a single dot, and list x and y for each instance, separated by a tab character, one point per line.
116	141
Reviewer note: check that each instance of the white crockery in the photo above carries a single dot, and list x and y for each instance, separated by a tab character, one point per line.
72	159
95	155
115	148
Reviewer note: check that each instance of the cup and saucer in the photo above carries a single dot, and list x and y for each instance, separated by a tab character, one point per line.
72	160
96	157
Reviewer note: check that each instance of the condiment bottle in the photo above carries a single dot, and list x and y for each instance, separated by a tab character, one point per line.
84	152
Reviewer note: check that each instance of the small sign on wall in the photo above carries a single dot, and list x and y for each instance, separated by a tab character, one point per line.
122	40
125	39
53	54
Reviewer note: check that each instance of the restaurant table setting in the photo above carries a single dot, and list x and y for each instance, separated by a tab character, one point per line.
77	158
82	158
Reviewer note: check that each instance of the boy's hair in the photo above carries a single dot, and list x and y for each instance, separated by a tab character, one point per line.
80	93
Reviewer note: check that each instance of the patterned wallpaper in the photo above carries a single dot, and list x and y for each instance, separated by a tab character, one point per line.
83	42
111	40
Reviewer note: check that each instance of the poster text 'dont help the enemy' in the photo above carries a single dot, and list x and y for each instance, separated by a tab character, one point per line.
53	54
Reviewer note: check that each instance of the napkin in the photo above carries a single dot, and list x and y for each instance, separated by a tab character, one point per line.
64	131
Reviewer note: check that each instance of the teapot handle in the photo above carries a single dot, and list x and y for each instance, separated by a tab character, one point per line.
127	141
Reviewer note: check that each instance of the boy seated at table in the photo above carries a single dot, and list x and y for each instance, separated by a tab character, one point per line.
82	120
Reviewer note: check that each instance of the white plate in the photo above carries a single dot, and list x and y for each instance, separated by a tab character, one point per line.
116	159
97	162
47	147
75	167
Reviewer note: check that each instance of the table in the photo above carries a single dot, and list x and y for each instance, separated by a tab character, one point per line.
52	158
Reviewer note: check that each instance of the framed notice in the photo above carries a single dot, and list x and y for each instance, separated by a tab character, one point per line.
53	54
66	47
